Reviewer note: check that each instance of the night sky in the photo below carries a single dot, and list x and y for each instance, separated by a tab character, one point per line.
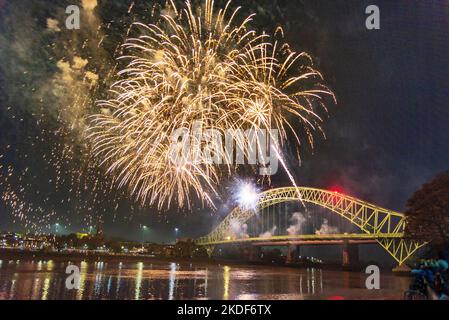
387	135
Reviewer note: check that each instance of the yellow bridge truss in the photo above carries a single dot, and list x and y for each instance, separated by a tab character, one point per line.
383	225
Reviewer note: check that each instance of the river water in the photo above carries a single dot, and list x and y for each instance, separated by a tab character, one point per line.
45	279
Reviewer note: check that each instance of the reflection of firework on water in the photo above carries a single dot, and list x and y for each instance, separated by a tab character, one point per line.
199	66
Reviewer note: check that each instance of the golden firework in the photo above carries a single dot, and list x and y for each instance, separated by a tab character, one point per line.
199	65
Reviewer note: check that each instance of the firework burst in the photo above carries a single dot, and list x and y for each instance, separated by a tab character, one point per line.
199	65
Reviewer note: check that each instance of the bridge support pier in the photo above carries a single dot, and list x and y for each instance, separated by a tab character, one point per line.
350	255
292	253
210	251
254	253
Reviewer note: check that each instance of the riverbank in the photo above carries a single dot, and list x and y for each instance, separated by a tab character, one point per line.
12	254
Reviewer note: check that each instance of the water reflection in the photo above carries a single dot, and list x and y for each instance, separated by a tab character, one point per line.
172	281
138	281
226	272
159	280
205	282
45	289
12	289
83	272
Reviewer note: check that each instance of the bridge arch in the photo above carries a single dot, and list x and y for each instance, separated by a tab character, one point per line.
385	226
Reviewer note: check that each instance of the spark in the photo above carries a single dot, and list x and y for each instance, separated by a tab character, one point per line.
247	196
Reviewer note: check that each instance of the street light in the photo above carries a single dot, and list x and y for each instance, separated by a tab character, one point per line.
144	228
56	227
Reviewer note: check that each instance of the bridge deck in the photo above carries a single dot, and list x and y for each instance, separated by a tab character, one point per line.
310	239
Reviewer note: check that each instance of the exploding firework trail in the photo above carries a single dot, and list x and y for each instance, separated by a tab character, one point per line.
200	66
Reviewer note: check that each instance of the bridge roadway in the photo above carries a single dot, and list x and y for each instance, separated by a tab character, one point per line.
312	239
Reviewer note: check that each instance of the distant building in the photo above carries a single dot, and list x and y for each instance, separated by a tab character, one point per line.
81	236
33	243
20	241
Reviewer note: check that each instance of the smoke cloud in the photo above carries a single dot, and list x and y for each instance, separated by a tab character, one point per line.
268	234
327	229
239	230
298	219
89	5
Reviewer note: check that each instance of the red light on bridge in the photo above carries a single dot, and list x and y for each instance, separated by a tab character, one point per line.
337	189
336	298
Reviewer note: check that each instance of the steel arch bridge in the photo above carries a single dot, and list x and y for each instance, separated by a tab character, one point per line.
384	226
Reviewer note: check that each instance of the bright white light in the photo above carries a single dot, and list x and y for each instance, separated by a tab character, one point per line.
247	196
